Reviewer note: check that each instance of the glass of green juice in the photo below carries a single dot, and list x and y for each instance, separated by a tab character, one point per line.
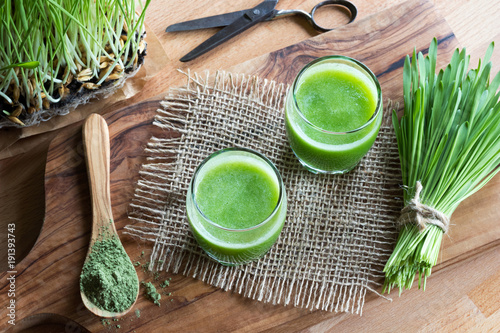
333	114
236	205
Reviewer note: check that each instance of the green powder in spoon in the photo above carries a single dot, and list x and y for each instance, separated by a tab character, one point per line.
108	278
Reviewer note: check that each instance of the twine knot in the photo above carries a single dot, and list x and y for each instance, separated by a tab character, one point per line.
421	215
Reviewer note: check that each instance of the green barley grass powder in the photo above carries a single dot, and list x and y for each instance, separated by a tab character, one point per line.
108	278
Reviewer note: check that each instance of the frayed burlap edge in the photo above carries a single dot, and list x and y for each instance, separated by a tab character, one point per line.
319	273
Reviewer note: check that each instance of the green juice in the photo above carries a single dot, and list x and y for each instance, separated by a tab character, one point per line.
332	115
236	207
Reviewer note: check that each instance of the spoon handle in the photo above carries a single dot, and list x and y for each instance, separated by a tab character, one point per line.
96	146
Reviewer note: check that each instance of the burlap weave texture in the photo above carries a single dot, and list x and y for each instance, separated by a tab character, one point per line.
339	231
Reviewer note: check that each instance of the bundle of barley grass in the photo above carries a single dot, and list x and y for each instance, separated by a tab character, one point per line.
449	147
54	51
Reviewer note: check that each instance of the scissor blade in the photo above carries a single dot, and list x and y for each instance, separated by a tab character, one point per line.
250	18
215	21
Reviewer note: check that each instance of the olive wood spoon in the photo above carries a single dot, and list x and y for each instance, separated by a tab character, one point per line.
96	147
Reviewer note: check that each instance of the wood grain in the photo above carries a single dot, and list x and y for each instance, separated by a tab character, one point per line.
458	297
96	149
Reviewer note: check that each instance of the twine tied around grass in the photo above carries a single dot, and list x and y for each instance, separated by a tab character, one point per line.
422	215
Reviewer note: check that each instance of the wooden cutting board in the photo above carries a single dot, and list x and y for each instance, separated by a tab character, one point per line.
47	279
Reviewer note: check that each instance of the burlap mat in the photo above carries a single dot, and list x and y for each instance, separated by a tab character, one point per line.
339	230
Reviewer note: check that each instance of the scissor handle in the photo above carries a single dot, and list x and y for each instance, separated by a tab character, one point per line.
353	11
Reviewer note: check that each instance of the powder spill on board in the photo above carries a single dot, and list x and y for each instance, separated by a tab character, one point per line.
108	279
153	289
151	292
165	283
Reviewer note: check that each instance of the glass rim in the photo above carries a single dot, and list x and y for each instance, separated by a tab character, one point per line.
252	152
360	64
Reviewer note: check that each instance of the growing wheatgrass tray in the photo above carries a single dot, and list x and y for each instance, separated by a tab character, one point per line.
57	54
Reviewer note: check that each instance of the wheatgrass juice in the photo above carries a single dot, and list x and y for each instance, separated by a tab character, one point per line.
333	114
236	205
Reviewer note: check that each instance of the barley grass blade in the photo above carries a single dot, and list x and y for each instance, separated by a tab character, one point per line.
448	142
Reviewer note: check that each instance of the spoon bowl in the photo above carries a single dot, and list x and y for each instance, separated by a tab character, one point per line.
97	157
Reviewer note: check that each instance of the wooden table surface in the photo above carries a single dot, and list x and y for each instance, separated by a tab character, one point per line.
462	296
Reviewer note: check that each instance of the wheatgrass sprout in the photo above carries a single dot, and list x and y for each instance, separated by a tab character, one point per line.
449	147
56	50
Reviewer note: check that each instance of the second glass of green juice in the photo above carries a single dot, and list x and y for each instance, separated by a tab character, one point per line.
236	205
333	114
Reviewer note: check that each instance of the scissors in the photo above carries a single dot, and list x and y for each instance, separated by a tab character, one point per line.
239	21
